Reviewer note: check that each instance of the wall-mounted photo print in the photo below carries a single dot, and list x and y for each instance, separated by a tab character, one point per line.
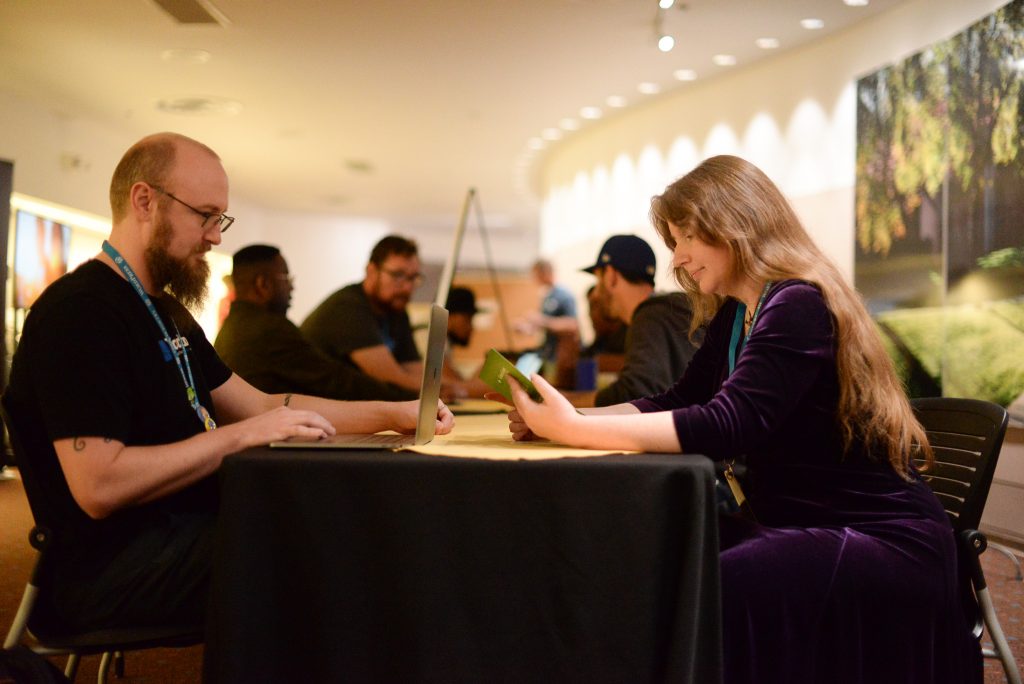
40	256
940	210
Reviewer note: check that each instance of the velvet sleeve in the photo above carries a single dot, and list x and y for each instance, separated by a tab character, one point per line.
788	349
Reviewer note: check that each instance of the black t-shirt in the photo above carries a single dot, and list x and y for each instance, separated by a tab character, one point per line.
658	349
90	364
345	322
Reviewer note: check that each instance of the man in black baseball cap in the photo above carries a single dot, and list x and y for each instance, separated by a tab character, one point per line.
461	307
629	255
658	347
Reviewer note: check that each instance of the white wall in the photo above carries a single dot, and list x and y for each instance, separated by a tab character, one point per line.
794	115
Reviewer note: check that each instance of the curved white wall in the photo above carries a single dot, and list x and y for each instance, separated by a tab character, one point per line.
794	115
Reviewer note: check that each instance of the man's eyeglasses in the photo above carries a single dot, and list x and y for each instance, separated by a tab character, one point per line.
403	277
222	221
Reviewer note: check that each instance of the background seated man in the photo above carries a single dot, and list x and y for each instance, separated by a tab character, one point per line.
258	342
127	412
609	344
658	347
366	324
461	305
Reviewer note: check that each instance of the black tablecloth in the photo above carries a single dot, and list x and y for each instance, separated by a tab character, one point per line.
380	567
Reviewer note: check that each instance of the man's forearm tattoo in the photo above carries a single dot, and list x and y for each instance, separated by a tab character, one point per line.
78	443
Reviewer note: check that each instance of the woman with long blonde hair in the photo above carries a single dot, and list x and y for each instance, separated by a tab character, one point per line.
844	568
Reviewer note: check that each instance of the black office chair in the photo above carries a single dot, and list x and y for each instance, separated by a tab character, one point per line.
47	637
966	435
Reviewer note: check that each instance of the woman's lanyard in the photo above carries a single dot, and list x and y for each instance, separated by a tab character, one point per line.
179	352
735	343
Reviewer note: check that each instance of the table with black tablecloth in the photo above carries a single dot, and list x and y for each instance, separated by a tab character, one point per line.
373	566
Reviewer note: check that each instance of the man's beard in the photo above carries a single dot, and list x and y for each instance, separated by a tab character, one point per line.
398	302
186	281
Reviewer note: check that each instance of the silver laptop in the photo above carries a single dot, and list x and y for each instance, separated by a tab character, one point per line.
430	389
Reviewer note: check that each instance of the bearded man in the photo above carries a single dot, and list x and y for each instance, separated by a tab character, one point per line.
126	412
366	323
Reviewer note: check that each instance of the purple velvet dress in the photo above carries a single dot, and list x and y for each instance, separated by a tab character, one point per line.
850	574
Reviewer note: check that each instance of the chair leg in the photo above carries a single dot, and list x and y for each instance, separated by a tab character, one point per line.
995	631
17	630
71	668
1008	552
101	674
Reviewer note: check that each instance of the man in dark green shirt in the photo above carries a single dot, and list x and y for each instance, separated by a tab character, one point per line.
366	324
261	345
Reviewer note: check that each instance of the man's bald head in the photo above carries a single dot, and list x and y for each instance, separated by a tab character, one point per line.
150	160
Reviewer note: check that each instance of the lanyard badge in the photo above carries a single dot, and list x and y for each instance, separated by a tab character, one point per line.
735	344
176	348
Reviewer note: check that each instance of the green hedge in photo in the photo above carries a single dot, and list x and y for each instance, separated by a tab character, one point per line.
974	350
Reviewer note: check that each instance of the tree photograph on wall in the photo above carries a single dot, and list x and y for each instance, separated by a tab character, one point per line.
939	204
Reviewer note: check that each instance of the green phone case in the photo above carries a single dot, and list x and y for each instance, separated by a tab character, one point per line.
496	368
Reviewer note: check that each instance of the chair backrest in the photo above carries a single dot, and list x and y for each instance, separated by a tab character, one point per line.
966	435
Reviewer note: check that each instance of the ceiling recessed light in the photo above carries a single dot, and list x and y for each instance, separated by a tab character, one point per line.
590	113
649	88
767	43
666	43
724	60
535	144
856	3
685	75
666	4
812	24
551	134
186	56
569	124
363	166
194	105
615	101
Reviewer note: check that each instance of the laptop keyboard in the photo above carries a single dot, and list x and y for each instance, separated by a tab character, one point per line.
376	440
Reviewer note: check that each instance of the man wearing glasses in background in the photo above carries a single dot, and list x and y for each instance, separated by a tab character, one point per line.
366	323
258	342
125	412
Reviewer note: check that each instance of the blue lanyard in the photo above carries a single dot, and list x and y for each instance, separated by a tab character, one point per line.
167	344
735	343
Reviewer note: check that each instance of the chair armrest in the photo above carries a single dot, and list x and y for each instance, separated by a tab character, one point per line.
972	544
39	538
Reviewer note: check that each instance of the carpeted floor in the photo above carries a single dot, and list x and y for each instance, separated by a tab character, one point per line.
177	666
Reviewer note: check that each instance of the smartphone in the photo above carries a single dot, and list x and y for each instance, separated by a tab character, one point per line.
497	368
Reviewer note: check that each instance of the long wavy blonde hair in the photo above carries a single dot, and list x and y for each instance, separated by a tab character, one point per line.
729	201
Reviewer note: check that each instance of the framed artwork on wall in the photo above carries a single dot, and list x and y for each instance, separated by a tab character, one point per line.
939	253
40	255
